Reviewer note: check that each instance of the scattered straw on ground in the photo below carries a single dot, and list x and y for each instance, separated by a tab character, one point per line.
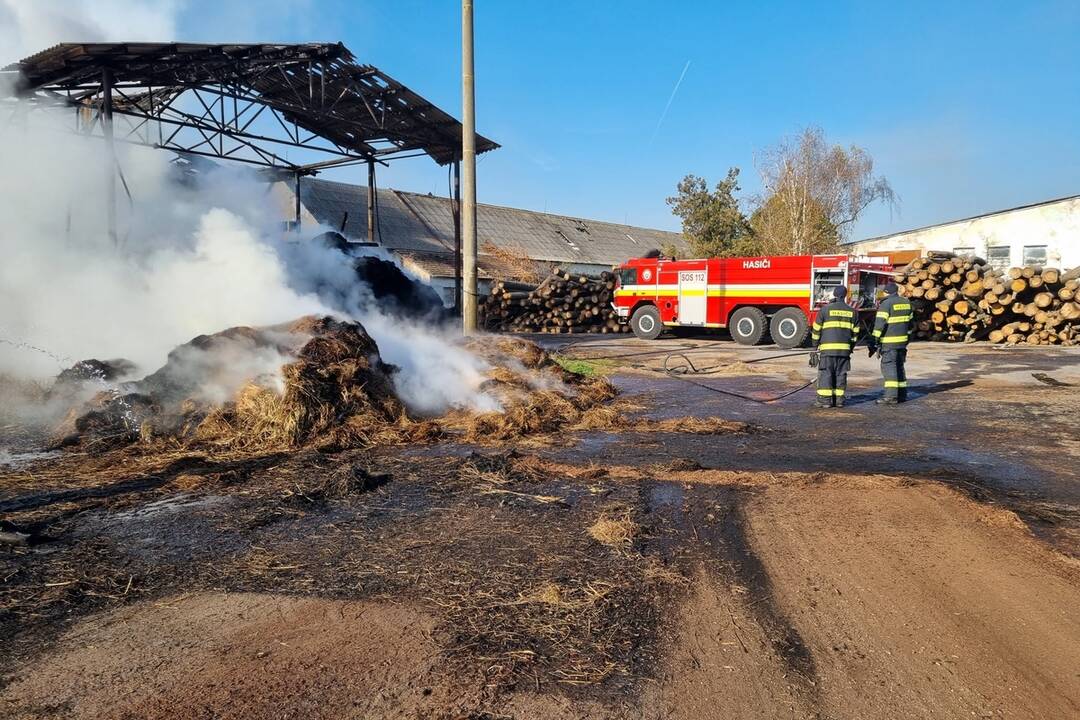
615	531
693	426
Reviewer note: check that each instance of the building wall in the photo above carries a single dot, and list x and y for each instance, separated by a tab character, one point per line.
445	287
1006	239
284	201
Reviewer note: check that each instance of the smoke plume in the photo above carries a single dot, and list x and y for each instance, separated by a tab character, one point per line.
27	26
189	260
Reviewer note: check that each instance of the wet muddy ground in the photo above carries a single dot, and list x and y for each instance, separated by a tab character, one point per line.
978	418
827	564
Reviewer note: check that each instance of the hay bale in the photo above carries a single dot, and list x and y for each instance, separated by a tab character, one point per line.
393	291
333	389
337	391
109	419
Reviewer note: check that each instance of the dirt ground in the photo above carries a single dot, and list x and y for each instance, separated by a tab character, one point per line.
822	566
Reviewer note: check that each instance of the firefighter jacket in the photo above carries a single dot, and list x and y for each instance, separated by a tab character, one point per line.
836	329
892	326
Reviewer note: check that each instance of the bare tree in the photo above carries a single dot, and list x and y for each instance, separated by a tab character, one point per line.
813	193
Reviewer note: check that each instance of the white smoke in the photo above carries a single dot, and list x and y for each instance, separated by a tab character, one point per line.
435	372
182	268
28	26
190	261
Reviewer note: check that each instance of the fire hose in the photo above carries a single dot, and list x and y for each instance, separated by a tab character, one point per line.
679	372
687	367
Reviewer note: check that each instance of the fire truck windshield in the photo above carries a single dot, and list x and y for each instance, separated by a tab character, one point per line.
628	276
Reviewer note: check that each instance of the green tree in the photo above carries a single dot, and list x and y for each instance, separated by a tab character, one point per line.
813	192
712	222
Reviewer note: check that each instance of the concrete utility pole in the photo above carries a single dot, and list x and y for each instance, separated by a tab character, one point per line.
468	171
371	200
110	153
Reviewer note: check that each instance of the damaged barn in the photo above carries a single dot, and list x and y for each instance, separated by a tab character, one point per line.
252	470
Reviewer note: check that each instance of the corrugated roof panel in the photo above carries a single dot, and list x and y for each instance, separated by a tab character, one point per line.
424	223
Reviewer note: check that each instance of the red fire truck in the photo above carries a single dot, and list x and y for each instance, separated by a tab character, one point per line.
754	297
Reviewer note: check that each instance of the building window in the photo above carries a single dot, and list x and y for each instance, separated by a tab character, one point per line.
964	251
998	256
1035	255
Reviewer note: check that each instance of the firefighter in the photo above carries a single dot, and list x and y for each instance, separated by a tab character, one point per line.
835	331
892	328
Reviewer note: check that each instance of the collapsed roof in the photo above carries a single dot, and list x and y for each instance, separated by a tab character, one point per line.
205	99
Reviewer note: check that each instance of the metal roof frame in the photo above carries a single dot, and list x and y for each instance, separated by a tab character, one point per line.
203	99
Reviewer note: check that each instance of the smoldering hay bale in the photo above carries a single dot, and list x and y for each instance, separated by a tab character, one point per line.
313	381
396	293
537	395
499	349
94	371
320	382
336	392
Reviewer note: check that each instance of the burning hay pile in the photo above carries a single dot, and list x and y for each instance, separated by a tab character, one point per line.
963	298
320	382
314	381
337	392
536	394
562	303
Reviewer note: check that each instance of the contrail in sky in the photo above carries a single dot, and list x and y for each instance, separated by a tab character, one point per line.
669	101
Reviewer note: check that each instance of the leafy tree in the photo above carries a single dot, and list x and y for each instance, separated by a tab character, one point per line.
813	193
712	222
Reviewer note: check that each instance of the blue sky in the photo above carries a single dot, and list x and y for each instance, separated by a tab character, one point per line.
966	107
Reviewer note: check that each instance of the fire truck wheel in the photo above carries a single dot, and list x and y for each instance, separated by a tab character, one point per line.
646	323
789	328
748	326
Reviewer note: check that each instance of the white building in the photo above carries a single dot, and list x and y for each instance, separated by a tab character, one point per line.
1046	233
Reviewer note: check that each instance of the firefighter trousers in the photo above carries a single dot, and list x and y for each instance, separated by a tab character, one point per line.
832	378
892	369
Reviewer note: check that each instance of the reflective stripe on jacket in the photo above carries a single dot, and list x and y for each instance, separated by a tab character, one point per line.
835	329
892	326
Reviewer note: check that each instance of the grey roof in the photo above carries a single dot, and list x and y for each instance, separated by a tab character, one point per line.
424	223
442	265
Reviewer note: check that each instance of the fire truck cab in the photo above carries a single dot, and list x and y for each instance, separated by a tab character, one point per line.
754	297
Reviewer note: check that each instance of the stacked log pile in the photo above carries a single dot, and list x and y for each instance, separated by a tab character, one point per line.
961	298
562	303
